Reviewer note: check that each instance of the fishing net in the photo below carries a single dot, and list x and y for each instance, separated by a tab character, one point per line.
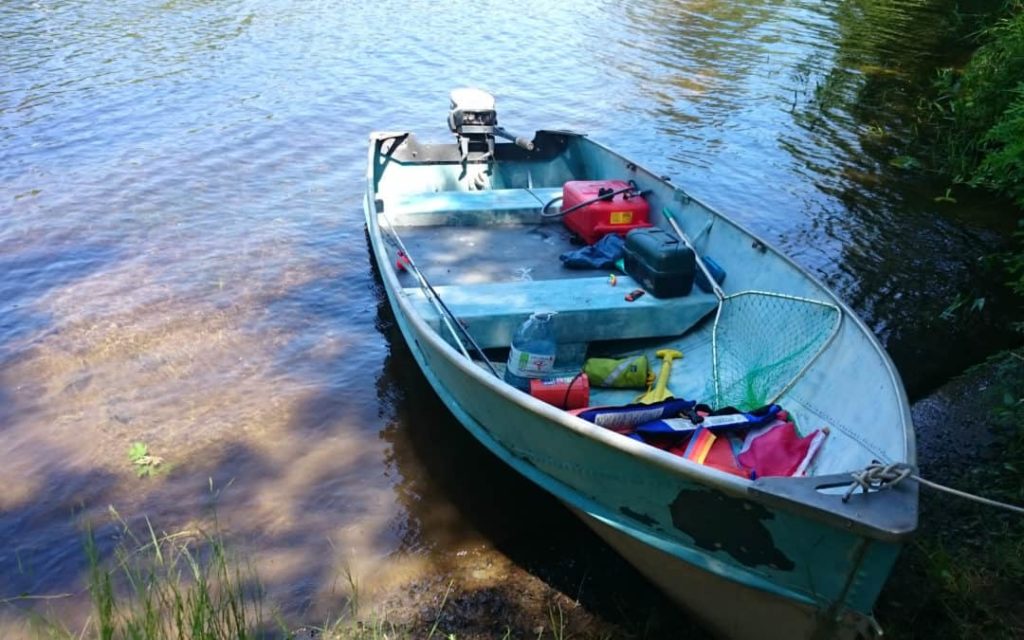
762	342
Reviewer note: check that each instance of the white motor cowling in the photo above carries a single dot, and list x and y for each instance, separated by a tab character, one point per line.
472	112
474	121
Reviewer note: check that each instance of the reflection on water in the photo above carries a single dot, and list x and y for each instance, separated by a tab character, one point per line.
183	262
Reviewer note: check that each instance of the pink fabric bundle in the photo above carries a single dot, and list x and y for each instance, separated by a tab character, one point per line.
778	450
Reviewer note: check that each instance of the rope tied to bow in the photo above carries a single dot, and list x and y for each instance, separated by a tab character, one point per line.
877	476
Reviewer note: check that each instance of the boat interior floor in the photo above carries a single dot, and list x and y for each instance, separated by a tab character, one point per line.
449	255
493	277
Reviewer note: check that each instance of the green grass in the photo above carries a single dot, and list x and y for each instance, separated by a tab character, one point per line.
189	586
182	586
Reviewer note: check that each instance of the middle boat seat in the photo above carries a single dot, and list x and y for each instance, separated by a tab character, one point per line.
589	309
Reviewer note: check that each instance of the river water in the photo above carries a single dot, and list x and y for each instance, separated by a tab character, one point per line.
183	260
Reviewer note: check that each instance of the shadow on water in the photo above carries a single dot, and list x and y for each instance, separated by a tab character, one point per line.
44	536
307	498
31	531
234	492
49	557
281	480
28	273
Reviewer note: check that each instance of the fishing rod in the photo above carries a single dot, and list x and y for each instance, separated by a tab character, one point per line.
447	317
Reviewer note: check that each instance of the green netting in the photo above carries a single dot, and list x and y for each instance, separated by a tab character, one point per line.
763	341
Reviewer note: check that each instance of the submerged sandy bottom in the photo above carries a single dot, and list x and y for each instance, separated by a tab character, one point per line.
256	413
291	421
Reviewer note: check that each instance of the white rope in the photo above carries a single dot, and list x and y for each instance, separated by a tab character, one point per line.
964	494
877	476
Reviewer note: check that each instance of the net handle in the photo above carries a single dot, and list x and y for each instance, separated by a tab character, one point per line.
700	262
723	299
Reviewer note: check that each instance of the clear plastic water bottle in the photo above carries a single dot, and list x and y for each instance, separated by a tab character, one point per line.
533	351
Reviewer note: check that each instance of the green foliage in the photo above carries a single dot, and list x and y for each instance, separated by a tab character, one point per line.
137	451
962	306
1002	167
977	121
144	463
975	106
962	595
1014	262
1004	399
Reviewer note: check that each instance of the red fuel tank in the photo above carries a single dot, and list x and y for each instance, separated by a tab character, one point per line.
618	214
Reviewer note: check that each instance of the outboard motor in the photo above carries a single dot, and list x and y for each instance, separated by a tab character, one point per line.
474	121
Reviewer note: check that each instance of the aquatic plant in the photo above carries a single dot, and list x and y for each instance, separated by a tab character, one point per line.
145	464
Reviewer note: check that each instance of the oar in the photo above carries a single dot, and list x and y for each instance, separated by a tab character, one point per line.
447	317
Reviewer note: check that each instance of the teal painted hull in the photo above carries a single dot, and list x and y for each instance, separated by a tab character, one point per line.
805	563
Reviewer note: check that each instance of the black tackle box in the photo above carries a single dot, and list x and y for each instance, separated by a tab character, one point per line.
660	262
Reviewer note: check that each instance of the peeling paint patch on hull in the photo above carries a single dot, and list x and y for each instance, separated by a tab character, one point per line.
718	522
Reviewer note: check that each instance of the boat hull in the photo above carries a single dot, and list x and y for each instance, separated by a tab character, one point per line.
748	613
676	563
804	565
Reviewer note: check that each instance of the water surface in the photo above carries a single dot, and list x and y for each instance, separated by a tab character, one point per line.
183	260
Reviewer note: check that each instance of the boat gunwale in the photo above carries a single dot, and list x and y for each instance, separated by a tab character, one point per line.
700	474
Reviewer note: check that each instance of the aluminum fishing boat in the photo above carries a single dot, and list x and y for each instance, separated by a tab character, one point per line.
467	248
